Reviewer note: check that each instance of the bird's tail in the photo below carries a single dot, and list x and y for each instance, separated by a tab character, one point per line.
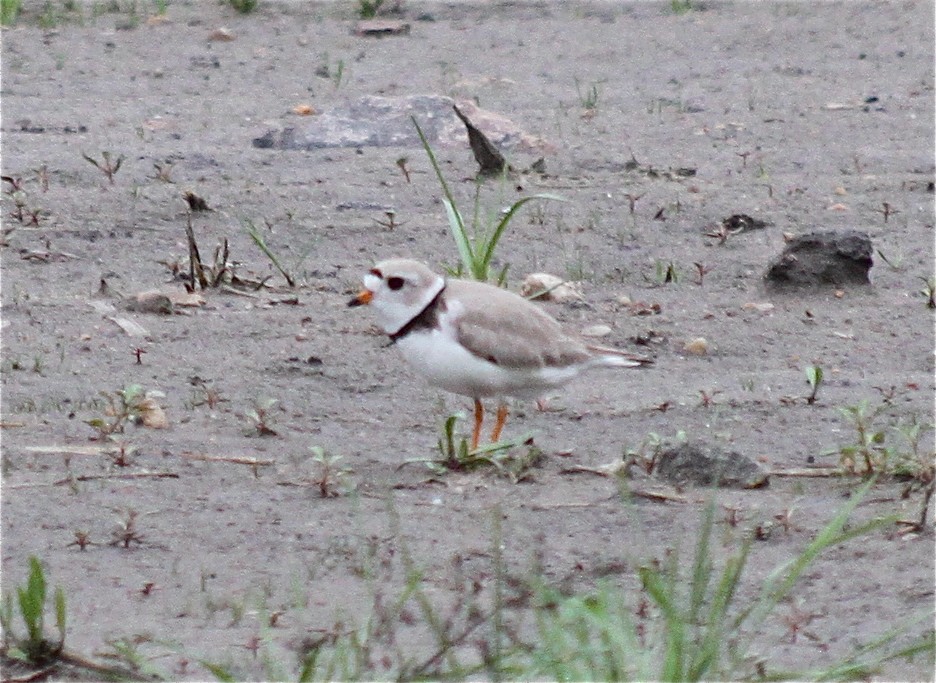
616	357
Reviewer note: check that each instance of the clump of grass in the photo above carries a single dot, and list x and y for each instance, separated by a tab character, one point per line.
680	6
33	647
244	6
665	272
477	245
691	623
9	10
890	449
33	655
368	9
513	458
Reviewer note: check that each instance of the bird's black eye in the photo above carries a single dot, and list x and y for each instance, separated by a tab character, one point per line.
394	283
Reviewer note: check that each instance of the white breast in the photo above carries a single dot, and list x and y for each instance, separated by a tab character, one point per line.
448	365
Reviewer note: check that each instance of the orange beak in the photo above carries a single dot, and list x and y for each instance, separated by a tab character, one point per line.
364	297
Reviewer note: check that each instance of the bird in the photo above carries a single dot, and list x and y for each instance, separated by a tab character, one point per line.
477	340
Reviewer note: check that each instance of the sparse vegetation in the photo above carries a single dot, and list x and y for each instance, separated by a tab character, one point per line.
882	446
689	620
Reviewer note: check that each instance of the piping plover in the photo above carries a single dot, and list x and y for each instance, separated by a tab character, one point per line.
476	339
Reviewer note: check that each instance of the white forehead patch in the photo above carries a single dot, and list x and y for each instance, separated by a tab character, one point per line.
372	282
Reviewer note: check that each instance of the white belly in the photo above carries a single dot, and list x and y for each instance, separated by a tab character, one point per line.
449	366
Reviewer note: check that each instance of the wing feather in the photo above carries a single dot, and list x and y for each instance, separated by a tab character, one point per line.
506	329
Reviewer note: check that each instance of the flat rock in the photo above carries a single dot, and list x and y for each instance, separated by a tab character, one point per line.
705	465
375	121
823	259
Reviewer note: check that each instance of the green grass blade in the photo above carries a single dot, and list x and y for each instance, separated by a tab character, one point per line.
702	566
662	593
32	601
60	612
262	246
456	225
779	583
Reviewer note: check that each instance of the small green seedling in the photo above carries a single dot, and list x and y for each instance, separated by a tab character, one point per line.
123	406
331	480
814	378
31	600
929	291
259	417
665	272
107	166
588	98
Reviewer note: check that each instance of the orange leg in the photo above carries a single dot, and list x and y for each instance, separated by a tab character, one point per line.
502	413
479	418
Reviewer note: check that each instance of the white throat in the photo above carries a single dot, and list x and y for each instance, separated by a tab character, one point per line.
394	310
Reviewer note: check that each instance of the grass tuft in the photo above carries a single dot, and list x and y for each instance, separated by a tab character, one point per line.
476	246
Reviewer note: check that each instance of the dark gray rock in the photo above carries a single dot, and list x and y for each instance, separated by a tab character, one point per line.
374	121
823	259
704	465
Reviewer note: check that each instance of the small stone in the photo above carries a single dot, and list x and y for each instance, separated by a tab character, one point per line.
596	331
704	465
546	287
827	258
221	35
381	27
150	302
697	347
764	307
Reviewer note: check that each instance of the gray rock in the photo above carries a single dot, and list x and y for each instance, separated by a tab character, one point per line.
704	465
374	121
823	259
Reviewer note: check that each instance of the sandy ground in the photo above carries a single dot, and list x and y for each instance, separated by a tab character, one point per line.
805	115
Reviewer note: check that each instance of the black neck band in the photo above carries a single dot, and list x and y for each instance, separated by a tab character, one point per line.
428	317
